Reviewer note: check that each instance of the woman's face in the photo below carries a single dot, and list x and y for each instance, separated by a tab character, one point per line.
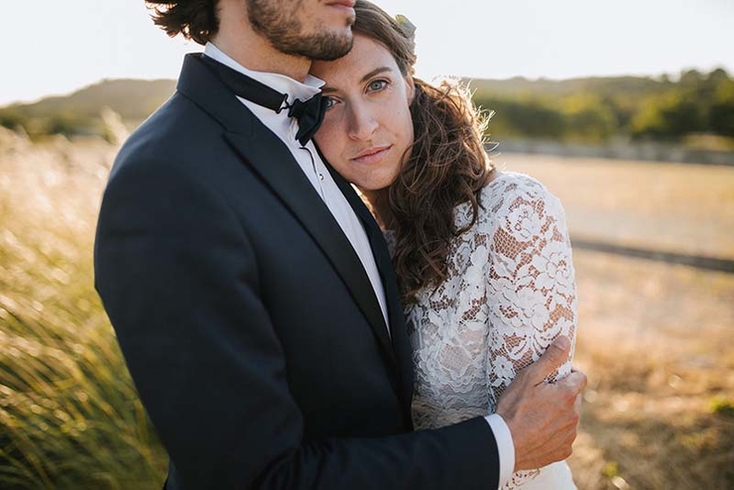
367	127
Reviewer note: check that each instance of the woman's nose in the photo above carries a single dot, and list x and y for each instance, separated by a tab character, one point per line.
362	123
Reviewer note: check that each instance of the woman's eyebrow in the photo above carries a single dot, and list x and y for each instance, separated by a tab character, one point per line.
326	89
375	72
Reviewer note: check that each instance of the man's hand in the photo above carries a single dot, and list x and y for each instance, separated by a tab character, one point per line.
543	418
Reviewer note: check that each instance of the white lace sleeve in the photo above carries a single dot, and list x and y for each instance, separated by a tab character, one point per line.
531	285
508	293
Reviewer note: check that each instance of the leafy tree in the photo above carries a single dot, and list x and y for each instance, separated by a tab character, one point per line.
669	116
721	113
589	118
530	118
691	78
717	76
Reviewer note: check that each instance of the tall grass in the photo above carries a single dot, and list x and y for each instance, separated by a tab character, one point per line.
69	414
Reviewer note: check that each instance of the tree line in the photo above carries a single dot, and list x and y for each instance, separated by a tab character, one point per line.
595	110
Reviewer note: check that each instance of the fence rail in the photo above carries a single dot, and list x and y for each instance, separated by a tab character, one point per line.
698	261
618	150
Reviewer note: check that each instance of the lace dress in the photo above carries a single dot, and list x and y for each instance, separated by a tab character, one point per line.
510	291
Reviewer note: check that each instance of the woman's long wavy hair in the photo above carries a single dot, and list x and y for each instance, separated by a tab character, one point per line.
194	19
447	165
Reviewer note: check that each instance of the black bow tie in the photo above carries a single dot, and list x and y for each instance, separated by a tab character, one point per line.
309	113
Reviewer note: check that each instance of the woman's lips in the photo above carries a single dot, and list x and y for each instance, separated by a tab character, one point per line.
372	155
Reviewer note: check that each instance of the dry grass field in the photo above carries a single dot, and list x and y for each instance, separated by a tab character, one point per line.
670	207
656	340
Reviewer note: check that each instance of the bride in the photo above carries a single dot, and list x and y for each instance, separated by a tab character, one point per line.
482	257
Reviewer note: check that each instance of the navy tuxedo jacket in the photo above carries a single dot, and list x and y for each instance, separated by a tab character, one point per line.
247	321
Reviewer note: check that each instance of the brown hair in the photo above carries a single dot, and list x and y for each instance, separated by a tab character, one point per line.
447	165
195	19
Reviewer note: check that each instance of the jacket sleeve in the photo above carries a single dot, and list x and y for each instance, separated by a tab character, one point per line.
180	282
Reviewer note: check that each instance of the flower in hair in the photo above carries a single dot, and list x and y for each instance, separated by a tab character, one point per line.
406	26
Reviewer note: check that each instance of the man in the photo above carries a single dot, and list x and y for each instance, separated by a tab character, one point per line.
252	293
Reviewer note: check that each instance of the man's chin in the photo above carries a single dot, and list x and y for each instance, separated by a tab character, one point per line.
333	55
328	47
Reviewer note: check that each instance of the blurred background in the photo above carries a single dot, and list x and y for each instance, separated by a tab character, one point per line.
624	110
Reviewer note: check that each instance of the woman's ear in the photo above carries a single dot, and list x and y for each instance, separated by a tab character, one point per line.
410	84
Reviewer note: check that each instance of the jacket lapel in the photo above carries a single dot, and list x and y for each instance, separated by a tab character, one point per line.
266	154
398	331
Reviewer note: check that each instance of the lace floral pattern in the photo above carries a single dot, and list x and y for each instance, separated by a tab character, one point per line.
510	291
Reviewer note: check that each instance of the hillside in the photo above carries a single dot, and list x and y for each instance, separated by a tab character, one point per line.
132	99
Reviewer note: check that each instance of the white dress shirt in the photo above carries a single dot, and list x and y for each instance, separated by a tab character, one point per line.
308	159
313	167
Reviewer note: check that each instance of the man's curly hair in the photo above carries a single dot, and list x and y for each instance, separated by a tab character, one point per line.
194	19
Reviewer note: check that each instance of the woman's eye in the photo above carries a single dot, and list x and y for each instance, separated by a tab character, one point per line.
377	85
329	102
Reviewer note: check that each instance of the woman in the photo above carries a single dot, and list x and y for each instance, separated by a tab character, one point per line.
483	258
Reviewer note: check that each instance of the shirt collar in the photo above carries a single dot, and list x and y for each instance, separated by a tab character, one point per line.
282	83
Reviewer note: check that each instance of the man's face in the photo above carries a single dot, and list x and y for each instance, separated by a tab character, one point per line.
315	29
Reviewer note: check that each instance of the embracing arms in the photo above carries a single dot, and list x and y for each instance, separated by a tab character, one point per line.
182	285
532	296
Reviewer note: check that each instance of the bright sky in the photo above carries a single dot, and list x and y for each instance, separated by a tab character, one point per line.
55	47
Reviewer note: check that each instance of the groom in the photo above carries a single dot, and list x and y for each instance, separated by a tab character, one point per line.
252	293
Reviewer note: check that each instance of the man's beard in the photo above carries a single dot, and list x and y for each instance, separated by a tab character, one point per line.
279	24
